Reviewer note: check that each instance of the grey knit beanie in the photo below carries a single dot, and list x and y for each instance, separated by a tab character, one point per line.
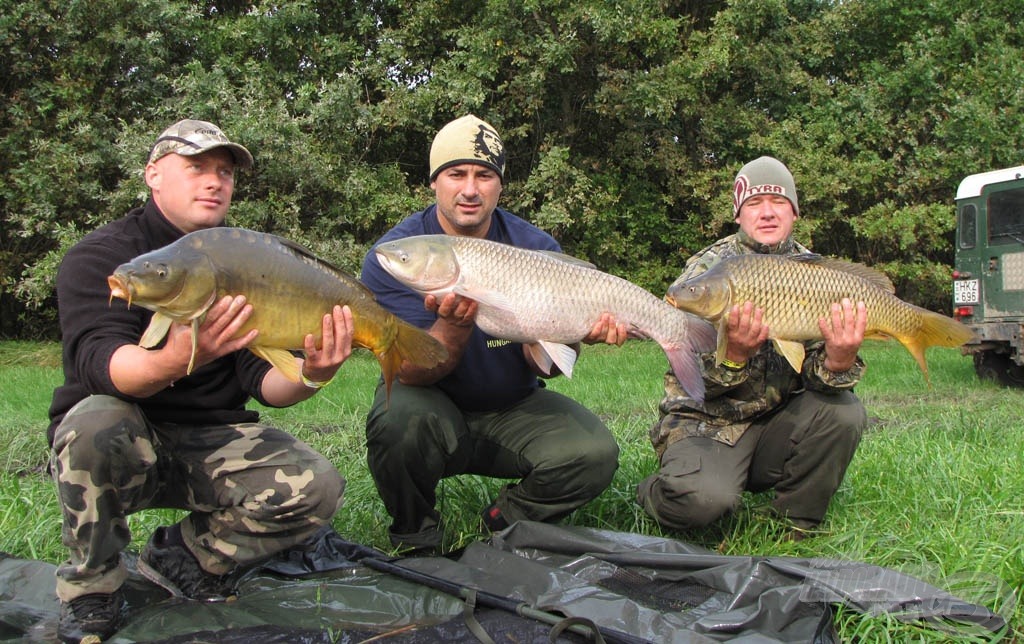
763	176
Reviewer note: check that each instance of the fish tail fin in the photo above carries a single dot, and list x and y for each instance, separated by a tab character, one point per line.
684	358
936	330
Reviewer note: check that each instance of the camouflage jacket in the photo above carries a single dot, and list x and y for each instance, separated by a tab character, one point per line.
734	399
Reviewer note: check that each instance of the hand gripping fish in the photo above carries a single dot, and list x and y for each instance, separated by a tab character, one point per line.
796	290
290	291
545	300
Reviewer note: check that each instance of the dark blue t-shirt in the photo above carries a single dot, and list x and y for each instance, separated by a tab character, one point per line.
492	373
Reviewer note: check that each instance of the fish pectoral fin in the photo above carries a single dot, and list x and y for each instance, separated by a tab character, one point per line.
282	359
723	340
155	332
793	352
486	296
546	353
195	346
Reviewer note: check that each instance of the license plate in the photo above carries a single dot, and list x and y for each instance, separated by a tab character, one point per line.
965	292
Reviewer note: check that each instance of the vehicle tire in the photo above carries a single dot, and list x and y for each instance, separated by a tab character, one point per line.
998	368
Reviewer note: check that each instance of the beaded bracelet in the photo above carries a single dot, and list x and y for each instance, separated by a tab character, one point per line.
733	366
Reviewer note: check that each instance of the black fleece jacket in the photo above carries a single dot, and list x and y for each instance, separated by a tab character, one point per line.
93	327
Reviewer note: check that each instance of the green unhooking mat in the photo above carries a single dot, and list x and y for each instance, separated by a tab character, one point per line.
532	582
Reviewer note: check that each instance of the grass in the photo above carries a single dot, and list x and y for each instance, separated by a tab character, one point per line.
934	490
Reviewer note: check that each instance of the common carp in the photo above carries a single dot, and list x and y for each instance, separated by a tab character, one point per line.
545	300
796	290
289	288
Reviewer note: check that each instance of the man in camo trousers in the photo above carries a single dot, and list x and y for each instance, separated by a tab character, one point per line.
762	426
130	429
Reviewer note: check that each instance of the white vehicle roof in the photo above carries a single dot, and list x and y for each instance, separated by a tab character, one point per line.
972	185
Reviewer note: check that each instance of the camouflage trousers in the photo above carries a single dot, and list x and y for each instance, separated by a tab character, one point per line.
252	490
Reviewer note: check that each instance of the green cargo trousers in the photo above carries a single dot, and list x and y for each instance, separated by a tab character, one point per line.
252	490
562	453
801	451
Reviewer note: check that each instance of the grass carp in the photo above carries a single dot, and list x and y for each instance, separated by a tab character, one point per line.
545	300
796	290
289	288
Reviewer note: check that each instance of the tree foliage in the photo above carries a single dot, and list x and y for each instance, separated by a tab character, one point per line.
624	121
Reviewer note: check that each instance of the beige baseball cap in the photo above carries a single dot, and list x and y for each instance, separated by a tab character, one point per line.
189	137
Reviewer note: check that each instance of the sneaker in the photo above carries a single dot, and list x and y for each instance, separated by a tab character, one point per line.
89	618
169	564
493	518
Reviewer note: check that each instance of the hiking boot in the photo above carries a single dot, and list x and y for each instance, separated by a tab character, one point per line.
169	564
493	519
89	618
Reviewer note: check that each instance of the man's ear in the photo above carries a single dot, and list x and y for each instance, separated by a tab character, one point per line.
153	176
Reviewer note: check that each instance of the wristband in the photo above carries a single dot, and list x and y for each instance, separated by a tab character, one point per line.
313	384
733	366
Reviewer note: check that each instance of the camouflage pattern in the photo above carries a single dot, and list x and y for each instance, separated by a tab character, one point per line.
252	490
735	398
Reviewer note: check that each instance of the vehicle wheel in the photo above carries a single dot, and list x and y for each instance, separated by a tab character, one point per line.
998	368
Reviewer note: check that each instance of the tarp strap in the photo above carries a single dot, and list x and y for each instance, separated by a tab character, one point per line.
569	622
468	610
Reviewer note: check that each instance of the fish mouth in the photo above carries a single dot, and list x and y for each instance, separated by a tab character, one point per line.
121	288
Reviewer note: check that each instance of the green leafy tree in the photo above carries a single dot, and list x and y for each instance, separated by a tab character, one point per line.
624	122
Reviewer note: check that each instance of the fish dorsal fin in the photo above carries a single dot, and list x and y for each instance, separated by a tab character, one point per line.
871	275
792	351
307	256
158	327
568	259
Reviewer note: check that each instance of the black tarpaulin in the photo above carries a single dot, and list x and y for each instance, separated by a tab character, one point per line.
521	586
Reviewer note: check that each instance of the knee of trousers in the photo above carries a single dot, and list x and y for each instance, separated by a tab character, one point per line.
841	422
103	433
679	502
323	493
601	460
405	444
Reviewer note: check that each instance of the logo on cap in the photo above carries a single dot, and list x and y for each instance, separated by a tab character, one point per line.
742	190
487	146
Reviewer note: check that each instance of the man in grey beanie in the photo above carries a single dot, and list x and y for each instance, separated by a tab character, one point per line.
485	411
762	426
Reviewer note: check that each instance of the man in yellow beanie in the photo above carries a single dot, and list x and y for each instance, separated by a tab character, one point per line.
484	411
762	425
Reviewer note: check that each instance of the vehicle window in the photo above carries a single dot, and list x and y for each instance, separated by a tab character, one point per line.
968	226
1006	217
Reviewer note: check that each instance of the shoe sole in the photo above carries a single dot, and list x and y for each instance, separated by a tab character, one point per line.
151	574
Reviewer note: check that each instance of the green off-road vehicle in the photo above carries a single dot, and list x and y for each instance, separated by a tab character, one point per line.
988	283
